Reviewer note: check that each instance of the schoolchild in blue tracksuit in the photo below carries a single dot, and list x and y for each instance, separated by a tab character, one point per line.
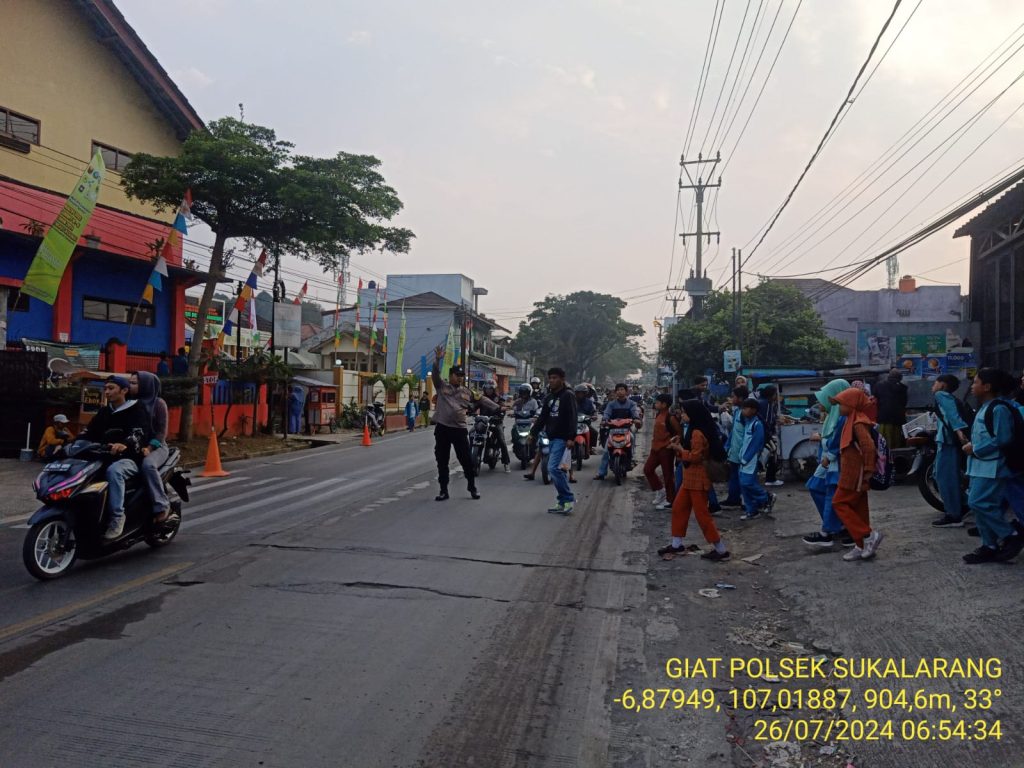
823	483
1015	485
988	471
948	441
412	410
756	500
734	447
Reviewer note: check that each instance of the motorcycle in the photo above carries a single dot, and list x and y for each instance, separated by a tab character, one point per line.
581	443
544	446
620	443
484	442
923	468
73	520
522	448
373	417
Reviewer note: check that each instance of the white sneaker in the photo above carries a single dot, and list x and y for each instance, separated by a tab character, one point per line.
659	498
854	554
775	483
115	528
664	505
871	544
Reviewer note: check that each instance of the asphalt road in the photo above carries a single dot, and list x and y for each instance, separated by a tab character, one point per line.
320	609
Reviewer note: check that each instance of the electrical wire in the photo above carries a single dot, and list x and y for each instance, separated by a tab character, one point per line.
709	53
725	78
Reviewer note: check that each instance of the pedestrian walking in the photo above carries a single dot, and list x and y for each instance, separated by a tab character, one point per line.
700	442
425	408
949	440
179	363
734	446
163	368
558	420
411	412
892	395
857	457
987	469
666	426
825	480
453	402
756	500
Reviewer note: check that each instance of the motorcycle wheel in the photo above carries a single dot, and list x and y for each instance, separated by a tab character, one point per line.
164	536
492	462
476	458
544	472
929	490
578	454
37	550
523	464
616	467
803	460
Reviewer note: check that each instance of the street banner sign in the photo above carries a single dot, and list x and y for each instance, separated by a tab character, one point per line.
287	325
732	360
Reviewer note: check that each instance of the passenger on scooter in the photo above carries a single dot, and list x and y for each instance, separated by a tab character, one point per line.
145	387
619	408
125	416
585	407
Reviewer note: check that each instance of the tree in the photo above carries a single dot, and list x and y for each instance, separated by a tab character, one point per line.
780	329
577	332
246	183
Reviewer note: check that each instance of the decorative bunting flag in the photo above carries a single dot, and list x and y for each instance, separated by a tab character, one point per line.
401	343
337	312
384	343
449	352
373	325
302	293
177	231
244	295
359	291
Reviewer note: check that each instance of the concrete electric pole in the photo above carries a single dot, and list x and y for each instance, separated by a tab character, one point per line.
698	285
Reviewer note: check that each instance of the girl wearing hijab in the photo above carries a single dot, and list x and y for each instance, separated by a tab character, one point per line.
823	483
856	465
145	387
701	441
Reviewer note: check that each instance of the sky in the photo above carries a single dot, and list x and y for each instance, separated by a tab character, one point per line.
536	145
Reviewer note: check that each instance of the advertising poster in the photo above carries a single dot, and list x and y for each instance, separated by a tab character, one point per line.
934	366
910	365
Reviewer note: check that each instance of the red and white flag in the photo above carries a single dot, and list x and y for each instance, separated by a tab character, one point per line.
302	293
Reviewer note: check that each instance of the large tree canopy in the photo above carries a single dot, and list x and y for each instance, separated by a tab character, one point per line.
246	183
780	329
584	333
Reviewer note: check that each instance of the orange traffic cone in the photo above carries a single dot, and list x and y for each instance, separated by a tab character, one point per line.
213	467
366	435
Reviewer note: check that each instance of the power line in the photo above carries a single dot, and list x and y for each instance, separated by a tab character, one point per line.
725	78
709	53
828	132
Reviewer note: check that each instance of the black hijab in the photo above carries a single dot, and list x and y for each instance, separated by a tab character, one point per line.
700	418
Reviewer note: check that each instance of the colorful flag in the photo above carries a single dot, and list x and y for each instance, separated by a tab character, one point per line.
384	343
178	231
47	268
337	312
359	291
373	325
302	293
401	343
449	352
244	295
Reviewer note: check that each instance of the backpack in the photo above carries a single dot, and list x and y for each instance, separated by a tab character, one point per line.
965	412
1013	452
882	478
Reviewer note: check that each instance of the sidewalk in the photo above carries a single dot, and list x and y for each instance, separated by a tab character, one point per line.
18	499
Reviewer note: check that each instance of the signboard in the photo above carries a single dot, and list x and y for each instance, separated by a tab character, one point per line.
732	360
215	314
910	365
287	325
961	359
210	378
934	366
879	350
921	344
84	356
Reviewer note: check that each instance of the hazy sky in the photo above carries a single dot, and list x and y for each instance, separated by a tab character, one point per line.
536	144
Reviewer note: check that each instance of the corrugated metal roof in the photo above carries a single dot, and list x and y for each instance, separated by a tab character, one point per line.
1008	206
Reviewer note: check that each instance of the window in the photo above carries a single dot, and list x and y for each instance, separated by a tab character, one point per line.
115	159
117	312
19	126
16	300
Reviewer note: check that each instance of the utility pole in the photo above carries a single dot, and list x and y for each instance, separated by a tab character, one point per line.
739	300
698	285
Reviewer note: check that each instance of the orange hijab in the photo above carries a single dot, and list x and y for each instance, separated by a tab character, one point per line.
861	405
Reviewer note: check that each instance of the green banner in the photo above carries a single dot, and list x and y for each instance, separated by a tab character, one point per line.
401	344
44	274
449	352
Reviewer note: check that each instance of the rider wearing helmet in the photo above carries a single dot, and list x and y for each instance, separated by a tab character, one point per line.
538	391
526	403
585	406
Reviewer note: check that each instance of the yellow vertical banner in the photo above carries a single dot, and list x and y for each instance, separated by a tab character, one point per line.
47	268
449	352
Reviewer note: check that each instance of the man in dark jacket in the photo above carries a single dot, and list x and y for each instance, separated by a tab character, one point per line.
558	419
114	423
892	394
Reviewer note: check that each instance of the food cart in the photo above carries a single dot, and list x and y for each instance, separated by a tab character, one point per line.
320	405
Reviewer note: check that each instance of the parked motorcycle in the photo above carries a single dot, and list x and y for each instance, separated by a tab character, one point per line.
373	416
620	443
522	448
74	517
581	444
923	468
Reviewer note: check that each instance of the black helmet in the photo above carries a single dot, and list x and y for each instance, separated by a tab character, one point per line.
525	390
581	388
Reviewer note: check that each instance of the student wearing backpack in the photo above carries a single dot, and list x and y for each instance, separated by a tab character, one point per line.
995	436
823	483
734	446
666	426
700	443
857	460
948	441
756	500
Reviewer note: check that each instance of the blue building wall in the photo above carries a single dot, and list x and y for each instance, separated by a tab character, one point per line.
103	277
97	275
424	330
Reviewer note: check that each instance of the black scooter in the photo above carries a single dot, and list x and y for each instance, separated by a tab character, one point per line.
73	489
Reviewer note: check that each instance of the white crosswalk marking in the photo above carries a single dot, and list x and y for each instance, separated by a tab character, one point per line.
229	508
218	482
194	509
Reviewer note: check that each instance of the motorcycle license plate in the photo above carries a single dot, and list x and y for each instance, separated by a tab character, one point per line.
57	466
